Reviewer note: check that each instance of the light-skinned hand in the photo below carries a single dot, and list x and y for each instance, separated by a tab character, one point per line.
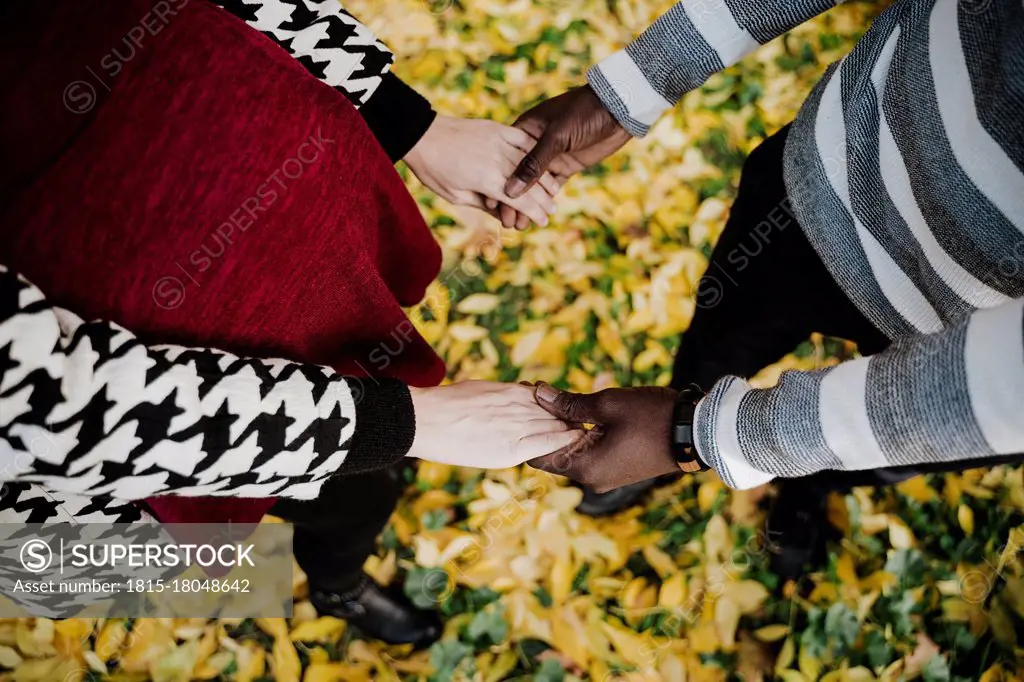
484	424
467	160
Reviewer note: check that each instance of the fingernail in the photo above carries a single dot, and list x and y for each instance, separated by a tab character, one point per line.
546	393
515	187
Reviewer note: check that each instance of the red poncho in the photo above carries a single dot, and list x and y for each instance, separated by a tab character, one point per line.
211	193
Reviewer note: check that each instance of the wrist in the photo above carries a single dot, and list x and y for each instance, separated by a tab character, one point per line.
423	404
418	158
682	434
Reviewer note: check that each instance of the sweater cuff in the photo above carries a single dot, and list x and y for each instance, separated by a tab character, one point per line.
717	439
397	115
385	425
626	93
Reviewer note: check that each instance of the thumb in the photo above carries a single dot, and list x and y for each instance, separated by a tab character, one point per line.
573	408
534	164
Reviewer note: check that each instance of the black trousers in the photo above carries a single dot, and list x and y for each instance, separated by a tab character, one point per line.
337	531
766	291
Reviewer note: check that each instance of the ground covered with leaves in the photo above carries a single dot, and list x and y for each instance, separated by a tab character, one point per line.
926	581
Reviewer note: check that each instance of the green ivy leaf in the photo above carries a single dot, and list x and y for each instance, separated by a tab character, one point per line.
841	627
445	658
550	671
488	627
425	587
936	670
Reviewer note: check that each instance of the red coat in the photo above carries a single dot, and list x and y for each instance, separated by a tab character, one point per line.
211	193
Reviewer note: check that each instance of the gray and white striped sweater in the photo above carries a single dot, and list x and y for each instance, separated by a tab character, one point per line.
905	168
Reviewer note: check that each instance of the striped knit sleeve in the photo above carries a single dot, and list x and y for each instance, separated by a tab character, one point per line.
957	394
87	409
685	46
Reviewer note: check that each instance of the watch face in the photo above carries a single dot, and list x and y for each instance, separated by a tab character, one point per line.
682	434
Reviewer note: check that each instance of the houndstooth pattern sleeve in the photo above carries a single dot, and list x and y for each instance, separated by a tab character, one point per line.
87	409
328	41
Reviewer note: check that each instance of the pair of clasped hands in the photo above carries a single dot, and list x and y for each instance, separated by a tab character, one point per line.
513	173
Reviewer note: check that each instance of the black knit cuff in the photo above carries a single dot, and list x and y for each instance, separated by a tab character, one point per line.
385	425
397	115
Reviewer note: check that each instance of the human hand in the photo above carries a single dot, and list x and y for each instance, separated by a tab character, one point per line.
574	131
484	424
466	161
629	441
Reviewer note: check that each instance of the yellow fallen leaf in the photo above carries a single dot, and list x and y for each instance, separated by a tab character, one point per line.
707	493
252	662
35	639
9	658
37	670
150	640
809	664
466	332
478	304
284	661
717	539
568	638
786	656
917	488
631	646
749	595
562	575
336	672
433	474
325	629
771	633
727	618
661	562
673	592
965	515
275	627
846	571
503	664
900	536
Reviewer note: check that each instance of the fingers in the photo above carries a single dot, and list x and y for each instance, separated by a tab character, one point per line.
534	164
519	138
550	184
564	166
574	408
508	216
548	443
570	461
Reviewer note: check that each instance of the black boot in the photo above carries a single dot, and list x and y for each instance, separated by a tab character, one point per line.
384	614
614	501
797	531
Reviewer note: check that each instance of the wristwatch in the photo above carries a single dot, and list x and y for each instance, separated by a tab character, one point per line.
681	433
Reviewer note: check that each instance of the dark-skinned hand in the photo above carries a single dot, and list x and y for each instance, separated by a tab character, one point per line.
573	131
629	441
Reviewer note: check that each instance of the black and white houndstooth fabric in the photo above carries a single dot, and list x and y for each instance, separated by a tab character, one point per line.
95	418
328	41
